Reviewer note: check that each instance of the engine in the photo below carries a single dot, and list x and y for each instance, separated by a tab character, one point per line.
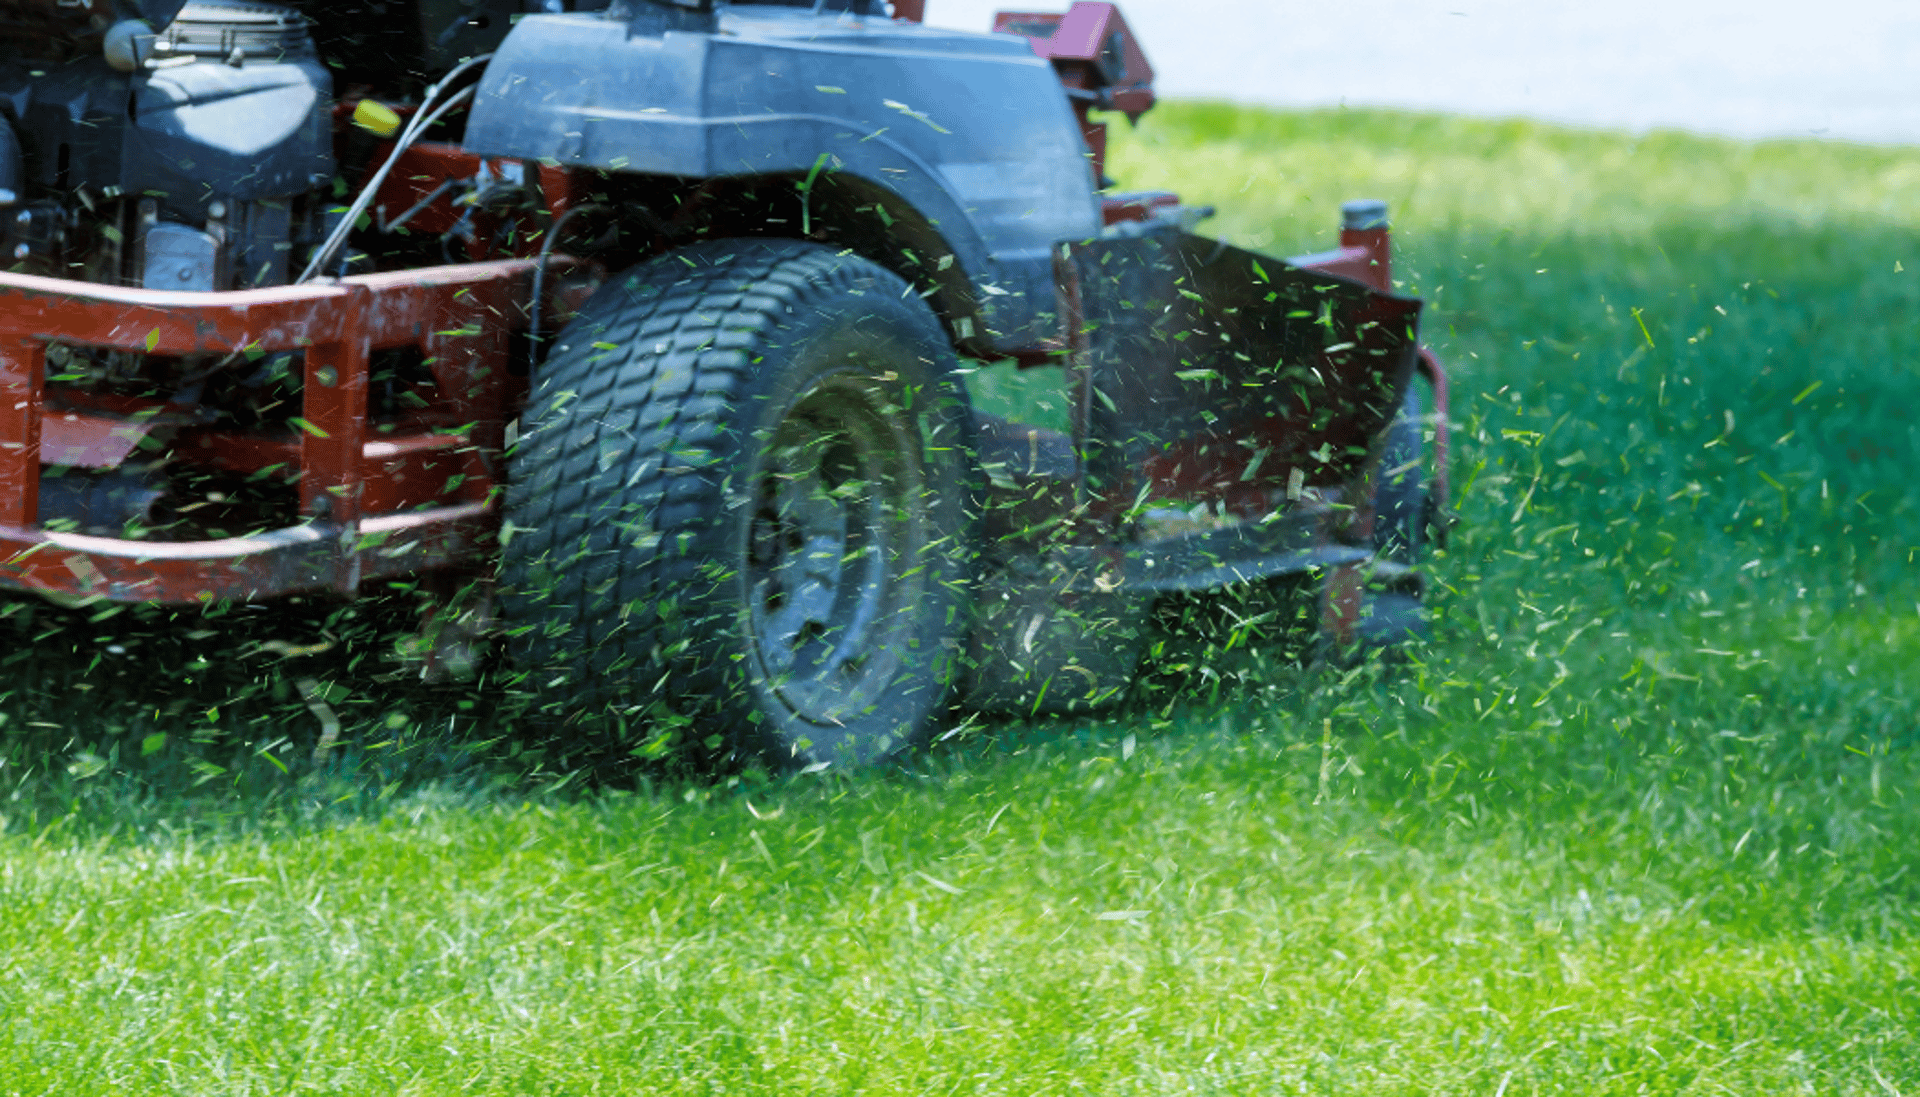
194	157
192	146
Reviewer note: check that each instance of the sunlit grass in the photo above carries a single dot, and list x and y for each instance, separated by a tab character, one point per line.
1220	906
1642	819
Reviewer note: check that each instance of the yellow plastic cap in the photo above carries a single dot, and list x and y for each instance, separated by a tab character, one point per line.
376	118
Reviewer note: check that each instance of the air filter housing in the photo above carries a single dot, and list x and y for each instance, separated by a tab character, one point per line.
219	31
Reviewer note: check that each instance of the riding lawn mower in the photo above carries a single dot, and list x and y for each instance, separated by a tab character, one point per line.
795	367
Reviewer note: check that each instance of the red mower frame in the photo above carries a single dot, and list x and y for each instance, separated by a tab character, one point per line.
384	499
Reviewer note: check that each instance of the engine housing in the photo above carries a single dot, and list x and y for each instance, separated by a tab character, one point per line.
218	133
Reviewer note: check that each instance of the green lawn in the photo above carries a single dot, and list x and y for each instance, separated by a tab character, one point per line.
1643	819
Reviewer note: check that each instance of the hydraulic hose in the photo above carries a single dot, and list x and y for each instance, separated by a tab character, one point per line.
422	120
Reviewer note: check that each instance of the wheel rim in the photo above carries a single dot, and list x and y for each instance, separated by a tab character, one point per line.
837	524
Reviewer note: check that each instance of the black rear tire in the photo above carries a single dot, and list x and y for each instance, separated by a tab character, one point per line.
743	489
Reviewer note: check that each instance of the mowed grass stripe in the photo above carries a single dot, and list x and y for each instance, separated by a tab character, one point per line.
884	936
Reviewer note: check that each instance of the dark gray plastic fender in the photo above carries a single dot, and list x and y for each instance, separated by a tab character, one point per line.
971	130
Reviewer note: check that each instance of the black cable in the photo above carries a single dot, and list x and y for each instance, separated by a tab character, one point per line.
540	280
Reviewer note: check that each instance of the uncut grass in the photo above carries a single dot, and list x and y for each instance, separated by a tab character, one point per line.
1640	819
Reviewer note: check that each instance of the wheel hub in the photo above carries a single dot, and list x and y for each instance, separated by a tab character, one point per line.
830	589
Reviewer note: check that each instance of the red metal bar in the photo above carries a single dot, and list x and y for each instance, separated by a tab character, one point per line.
157	322
275	318
23	367
469	336
462	316
1074	339
333	422
403	471
232	451
399	471
1436	375
316	557
81	440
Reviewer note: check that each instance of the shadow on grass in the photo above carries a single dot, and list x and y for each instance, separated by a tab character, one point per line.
118	720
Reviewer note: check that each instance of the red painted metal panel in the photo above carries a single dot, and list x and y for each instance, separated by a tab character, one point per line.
1367	260
1219	386
1098	59
398	471
1379	251
1139	205
1083	31
1093	47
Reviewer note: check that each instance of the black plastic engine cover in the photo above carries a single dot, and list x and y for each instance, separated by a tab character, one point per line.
188	134
11	175
59	29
